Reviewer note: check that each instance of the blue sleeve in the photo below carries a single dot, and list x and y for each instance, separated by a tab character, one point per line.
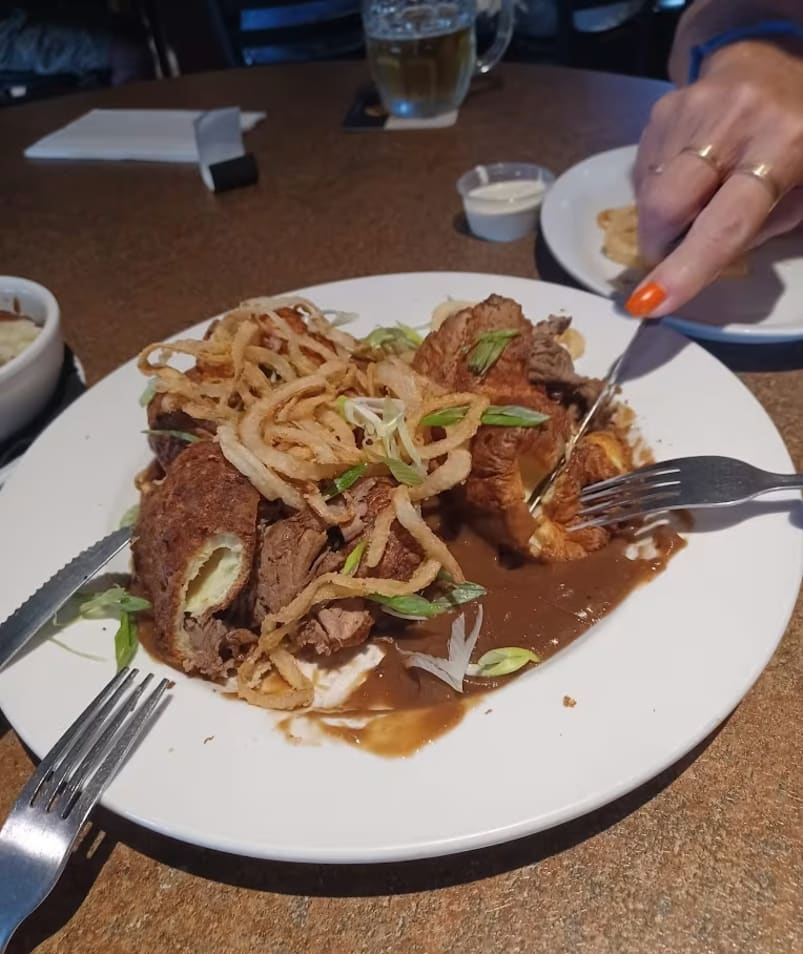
766	28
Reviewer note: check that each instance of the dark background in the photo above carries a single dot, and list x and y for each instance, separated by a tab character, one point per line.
49	47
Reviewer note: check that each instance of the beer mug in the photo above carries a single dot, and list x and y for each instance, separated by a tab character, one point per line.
422	53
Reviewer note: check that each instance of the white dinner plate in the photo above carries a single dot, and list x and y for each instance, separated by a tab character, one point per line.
650	681
765	306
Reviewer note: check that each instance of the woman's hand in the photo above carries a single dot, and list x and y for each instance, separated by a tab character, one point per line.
748	109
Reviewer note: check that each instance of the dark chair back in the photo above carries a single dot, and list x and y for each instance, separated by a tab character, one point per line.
627	48
281	31
213	34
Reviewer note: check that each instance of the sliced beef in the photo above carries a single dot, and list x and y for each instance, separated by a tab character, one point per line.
443	356
549	364
293	552
336	626
535	359
297	549
167	447
402	554
216	647
205	638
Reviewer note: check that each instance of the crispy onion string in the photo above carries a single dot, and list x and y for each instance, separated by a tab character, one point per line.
294	404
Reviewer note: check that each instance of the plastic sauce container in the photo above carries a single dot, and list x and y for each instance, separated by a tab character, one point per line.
501	200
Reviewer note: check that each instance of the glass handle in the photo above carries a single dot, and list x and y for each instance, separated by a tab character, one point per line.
504	34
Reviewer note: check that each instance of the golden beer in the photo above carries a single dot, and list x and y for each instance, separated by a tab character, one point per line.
422	58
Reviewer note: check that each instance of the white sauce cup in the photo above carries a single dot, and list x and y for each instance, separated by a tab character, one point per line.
501	200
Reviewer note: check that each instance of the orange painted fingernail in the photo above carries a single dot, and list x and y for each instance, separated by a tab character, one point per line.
645	300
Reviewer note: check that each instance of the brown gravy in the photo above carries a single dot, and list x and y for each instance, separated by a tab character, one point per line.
542	607
392	734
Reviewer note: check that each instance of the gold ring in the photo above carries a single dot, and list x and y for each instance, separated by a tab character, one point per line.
707	154
762	172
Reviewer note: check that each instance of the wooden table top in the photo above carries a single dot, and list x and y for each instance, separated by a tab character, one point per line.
707	857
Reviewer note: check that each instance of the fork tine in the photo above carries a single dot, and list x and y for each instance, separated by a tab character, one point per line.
104	700
620	516
82	804
74	774
618	501
630	488
653	470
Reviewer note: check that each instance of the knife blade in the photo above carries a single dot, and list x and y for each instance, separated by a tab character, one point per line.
609	384
40	608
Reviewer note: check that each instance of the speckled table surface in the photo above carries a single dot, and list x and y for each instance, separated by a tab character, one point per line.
706	858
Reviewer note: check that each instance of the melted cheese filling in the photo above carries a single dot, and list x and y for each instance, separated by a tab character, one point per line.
213	573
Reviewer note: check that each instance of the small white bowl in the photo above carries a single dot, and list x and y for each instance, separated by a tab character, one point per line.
28	381
501	200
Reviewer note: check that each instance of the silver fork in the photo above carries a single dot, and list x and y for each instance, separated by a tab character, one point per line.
686	483
48	816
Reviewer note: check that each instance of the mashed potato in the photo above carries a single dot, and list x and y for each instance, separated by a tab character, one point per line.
16	333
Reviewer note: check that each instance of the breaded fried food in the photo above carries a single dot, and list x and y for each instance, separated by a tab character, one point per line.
534	370
598	456
443	355
620	235
620	241
507	462
537	359
193	547
510	462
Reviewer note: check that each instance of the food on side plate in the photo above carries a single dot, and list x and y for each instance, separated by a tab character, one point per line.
620	241
315	495
16	333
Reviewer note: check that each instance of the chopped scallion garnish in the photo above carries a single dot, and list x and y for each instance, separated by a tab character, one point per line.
352	563
112	602
487	349
503	661
496	415
513	415
345	480
398	338
147	395
403	472
125	640
169	432
445	417
415	606
411	606
463	593
130	517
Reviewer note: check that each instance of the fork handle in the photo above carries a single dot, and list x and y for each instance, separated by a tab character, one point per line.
783	482
12	914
